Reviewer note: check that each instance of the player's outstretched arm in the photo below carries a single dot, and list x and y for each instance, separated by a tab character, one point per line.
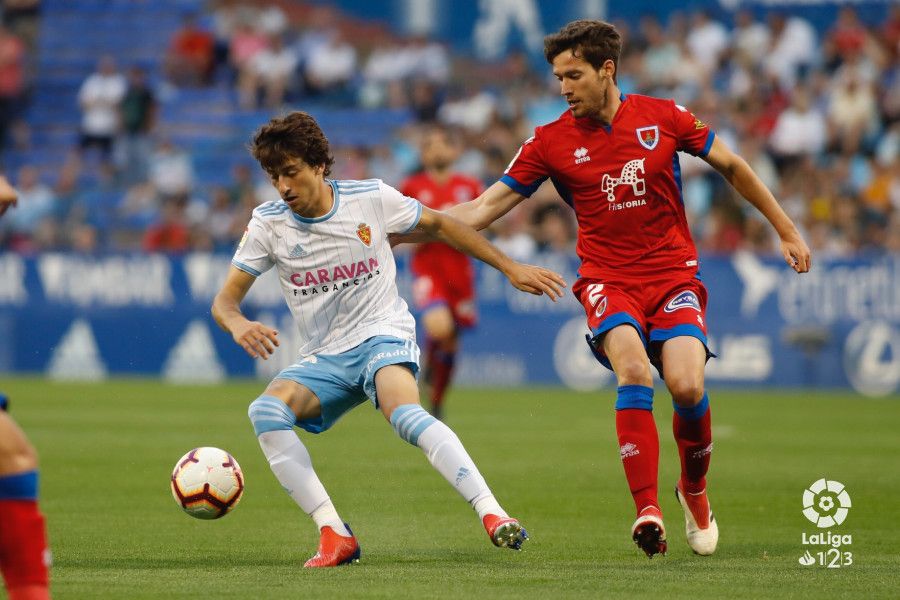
479	213
8	195
258	340
739	174
528	278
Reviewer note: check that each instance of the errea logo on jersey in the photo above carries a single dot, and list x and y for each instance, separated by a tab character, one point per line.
581	155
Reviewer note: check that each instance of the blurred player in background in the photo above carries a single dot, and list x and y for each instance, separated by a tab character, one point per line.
444	284
328	242
613	158
24	554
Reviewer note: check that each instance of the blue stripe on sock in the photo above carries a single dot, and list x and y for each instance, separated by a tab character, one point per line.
411	425
410	420
21	486
634	396
268	413
693	413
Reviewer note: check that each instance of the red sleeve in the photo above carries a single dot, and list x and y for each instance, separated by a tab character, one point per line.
528	169
693	135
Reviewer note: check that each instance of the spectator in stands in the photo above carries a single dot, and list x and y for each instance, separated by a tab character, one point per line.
190	58
330	67
751	37
170	234
99	98
241	182
707	40
138	116
171	171
271	71
22	17
37	203
793	49
848	36
12	81
800	130
84	239
220	222
553	229
246	43
852	113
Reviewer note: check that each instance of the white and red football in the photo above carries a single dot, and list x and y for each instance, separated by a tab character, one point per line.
207	483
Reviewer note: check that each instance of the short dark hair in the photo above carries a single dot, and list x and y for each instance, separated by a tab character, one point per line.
594	41
296	135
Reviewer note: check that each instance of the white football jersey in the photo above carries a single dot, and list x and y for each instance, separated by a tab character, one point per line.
337	271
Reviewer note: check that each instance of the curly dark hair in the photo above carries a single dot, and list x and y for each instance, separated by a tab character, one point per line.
293	136
594	41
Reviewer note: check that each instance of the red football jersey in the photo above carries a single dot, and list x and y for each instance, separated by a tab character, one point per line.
437	258
623	181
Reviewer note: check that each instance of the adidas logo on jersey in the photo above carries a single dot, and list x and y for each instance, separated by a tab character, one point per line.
581	155
298	252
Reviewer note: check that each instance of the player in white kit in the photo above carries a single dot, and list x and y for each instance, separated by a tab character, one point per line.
328	241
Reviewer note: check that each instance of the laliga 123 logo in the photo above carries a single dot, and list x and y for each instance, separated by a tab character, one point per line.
826	504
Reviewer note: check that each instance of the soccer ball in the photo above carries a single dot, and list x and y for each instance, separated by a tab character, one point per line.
207	483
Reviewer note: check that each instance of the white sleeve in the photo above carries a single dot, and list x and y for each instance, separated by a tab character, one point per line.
401	213
253	255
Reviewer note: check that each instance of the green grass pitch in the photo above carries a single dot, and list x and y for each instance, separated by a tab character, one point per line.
550	456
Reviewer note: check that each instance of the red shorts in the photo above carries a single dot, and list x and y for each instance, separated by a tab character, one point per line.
459	296
659	308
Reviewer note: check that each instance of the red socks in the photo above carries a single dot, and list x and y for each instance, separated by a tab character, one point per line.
693	434
440	365
638	443
24	554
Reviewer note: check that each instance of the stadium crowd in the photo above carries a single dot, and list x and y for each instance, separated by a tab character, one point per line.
815	113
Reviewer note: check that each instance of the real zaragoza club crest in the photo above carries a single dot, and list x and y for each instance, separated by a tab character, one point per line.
364	233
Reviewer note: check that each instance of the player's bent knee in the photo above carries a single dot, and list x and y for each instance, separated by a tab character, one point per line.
686	391
410	420
268	413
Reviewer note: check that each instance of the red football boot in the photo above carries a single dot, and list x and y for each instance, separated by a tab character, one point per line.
505	532
335	549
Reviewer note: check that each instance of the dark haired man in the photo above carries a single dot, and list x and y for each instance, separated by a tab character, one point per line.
328	241
614	160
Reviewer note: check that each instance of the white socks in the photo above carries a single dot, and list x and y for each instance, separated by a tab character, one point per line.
447	455
292	466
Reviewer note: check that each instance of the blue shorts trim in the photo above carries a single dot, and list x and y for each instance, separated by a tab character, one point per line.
344	381
661	335
610	322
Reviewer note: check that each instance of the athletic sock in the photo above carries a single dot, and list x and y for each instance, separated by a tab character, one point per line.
693	434
441	375
24	554
289	460
638	443
447	455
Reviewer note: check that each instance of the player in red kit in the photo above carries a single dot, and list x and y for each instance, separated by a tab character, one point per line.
444	284
24	555
613	159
